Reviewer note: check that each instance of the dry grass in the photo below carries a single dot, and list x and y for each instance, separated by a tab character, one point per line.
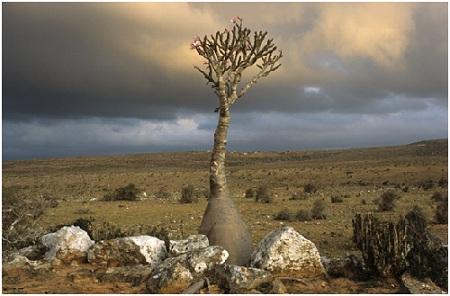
358	173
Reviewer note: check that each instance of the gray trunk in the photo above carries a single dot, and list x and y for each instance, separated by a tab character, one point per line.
222	222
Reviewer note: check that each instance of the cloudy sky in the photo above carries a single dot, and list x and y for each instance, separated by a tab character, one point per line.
89	79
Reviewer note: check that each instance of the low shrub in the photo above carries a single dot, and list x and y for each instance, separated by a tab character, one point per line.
163	193
441	213
438	197
318	210
427	185
442	182
337	199
283	215
187	194
309	188
363	201
250	193
20	213
303	215
263	194
129	192
386	202
418	213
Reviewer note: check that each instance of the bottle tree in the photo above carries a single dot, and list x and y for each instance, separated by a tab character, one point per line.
227	55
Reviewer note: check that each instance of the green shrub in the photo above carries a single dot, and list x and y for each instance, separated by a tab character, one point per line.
129	192
442	182
250	193
309	188
303	215
318	210
283	215
263	194
337	199
187	194
386	202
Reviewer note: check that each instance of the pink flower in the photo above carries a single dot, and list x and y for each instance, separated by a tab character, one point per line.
236	19
196	43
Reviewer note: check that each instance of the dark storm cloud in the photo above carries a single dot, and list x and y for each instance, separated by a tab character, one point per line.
119	76
82	60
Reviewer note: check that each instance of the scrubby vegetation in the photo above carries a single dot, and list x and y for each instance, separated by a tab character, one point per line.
386	202
318	210
20	214
263	195
309	188
283	215
250	193
163	193
129	192
438	197
188	194
303	215
337	199
441	213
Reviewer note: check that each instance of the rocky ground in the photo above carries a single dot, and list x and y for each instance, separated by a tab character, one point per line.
68	261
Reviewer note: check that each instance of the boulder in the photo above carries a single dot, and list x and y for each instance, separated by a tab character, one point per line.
70	243
348	267
128	251
416	286
176	274
192	243
136	274
285	251
240	280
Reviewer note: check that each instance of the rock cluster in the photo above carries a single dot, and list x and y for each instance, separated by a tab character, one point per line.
185	265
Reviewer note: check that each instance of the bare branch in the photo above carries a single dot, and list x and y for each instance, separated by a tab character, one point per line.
229	53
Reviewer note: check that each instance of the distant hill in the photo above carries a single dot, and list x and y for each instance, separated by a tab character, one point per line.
431	142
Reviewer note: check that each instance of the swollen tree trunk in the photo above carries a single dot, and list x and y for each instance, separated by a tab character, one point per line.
222	222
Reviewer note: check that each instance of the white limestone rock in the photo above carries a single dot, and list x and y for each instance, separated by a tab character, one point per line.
176	274
70	243
285	251
236	279
192	243
127	251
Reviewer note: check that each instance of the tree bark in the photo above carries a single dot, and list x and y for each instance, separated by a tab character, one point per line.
222	222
